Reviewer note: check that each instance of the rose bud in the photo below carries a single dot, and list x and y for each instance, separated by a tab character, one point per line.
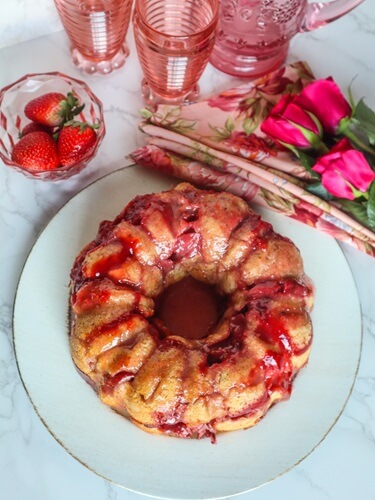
325	100
345	171
292	126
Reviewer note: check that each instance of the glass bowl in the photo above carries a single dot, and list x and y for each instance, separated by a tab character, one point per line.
13	99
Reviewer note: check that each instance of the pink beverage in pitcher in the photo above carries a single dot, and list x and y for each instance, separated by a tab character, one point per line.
253	35
174	40
96	30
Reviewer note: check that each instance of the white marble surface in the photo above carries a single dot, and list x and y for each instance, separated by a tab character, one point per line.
33	465
22	20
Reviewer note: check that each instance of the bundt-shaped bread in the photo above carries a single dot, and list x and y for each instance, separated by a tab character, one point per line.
163	381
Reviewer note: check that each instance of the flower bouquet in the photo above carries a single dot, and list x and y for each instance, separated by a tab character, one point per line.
334	141
285	141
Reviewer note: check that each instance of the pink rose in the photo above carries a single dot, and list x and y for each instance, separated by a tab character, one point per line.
344	170
324	99
291	125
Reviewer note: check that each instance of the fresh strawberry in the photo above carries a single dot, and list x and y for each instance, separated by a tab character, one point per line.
36	151
75	140
35	127
53	109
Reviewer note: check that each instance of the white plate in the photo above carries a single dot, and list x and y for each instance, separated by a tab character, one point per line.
161	466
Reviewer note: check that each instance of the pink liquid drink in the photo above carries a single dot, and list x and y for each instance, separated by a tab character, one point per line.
174	39
96	30
253	35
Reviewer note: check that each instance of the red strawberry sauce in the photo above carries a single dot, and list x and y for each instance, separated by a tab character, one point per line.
103	266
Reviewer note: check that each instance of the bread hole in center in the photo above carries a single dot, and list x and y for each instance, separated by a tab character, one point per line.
190	308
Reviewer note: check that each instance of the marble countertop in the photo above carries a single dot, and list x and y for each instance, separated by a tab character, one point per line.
33	465
27	19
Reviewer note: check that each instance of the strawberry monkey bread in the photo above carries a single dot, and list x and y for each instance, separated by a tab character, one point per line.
190	315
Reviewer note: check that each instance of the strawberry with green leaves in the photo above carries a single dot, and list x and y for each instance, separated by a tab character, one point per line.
36	151
74	141
53	109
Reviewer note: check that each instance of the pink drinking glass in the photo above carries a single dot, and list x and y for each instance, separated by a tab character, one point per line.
174	40
96	30
253	35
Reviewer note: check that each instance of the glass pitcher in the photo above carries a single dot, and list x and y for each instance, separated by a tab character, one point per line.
253	36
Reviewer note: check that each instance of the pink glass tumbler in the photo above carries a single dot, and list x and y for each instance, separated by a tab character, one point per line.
174	40
253	35
96	30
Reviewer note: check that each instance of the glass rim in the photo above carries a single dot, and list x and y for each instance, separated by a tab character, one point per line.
209	28
82	83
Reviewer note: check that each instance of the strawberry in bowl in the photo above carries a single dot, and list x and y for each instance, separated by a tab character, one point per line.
39	108
53	109
36	151
75	140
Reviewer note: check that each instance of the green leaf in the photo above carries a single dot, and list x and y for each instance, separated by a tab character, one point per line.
229	125
221	133
357	209
351	97
319	190
364	117
181	125
249	125
254	117
307	161
370	159
146	113
366	132
250	101
371	206
364	113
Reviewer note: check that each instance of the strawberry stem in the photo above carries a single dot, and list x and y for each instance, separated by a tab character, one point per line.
69	108
82	125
